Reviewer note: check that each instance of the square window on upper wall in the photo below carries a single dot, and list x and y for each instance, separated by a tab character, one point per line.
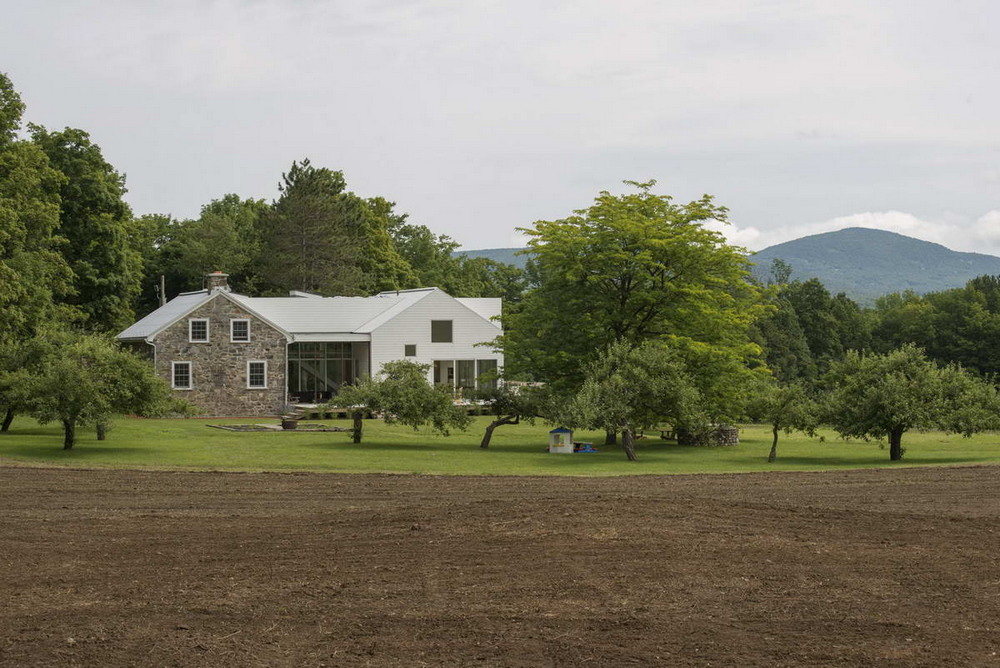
239	330
198	330
441	331
410	350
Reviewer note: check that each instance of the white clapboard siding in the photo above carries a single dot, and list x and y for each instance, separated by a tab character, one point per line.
413	326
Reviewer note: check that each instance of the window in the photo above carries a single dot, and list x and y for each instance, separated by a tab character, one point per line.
440	331
198	330
466	374
180	375
319	369
410	350
239	331
487	374
257	375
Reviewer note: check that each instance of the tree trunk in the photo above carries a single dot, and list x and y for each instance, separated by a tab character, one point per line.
611	437
69	429
102	431
895	444
774	445
8	418
628	444
358	424
507	419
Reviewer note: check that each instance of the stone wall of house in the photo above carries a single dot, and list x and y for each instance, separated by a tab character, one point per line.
219	367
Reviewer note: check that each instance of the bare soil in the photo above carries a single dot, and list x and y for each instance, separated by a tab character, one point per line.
867	568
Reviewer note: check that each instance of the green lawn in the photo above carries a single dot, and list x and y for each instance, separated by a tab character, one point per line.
516	450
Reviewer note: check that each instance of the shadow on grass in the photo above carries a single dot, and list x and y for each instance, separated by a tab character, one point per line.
52	449
858	462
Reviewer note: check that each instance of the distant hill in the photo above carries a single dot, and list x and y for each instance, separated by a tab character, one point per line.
861	262
866	263
504	255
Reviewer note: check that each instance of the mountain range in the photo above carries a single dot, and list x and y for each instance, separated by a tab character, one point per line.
860	262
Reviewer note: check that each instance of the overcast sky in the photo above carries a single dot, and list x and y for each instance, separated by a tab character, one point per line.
477	117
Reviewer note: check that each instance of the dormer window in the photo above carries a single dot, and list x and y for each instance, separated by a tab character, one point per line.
239	331
198	330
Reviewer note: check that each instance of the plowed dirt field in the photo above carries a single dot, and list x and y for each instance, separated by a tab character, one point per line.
868	568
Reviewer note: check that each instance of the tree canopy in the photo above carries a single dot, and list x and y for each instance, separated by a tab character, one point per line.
99	228
885	395
321	238
87	379
630	387
401	393
630	267
34	277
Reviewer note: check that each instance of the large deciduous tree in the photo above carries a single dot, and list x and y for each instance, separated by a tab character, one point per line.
884	396
33	274
225	237
101	248
631	267
11	110
34	277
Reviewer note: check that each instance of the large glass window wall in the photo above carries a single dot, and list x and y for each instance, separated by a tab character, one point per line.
464	375
317	370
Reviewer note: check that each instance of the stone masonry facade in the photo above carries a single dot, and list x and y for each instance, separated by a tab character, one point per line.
219	366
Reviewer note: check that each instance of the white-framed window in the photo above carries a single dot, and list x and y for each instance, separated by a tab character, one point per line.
239	330
198	330
410	350
441	331
257	375
180	376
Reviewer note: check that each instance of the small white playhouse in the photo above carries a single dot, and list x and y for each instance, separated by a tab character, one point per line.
561	440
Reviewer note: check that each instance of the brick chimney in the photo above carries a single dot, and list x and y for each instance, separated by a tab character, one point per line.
217	281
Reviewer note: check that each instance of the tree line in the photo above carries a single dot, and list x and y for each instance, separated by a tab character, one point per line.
71	242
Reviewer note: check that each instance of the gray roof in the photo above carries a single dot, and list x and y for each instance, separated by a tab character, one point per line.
311	315
303	316
166	315
487	307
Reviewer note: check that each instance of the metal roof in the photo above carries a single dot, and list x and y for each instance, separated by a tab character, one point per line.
297	315
166	315
302	317
487	307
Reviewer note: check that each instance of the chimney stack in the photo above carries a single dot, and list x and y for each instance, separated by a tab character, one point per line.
217	281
